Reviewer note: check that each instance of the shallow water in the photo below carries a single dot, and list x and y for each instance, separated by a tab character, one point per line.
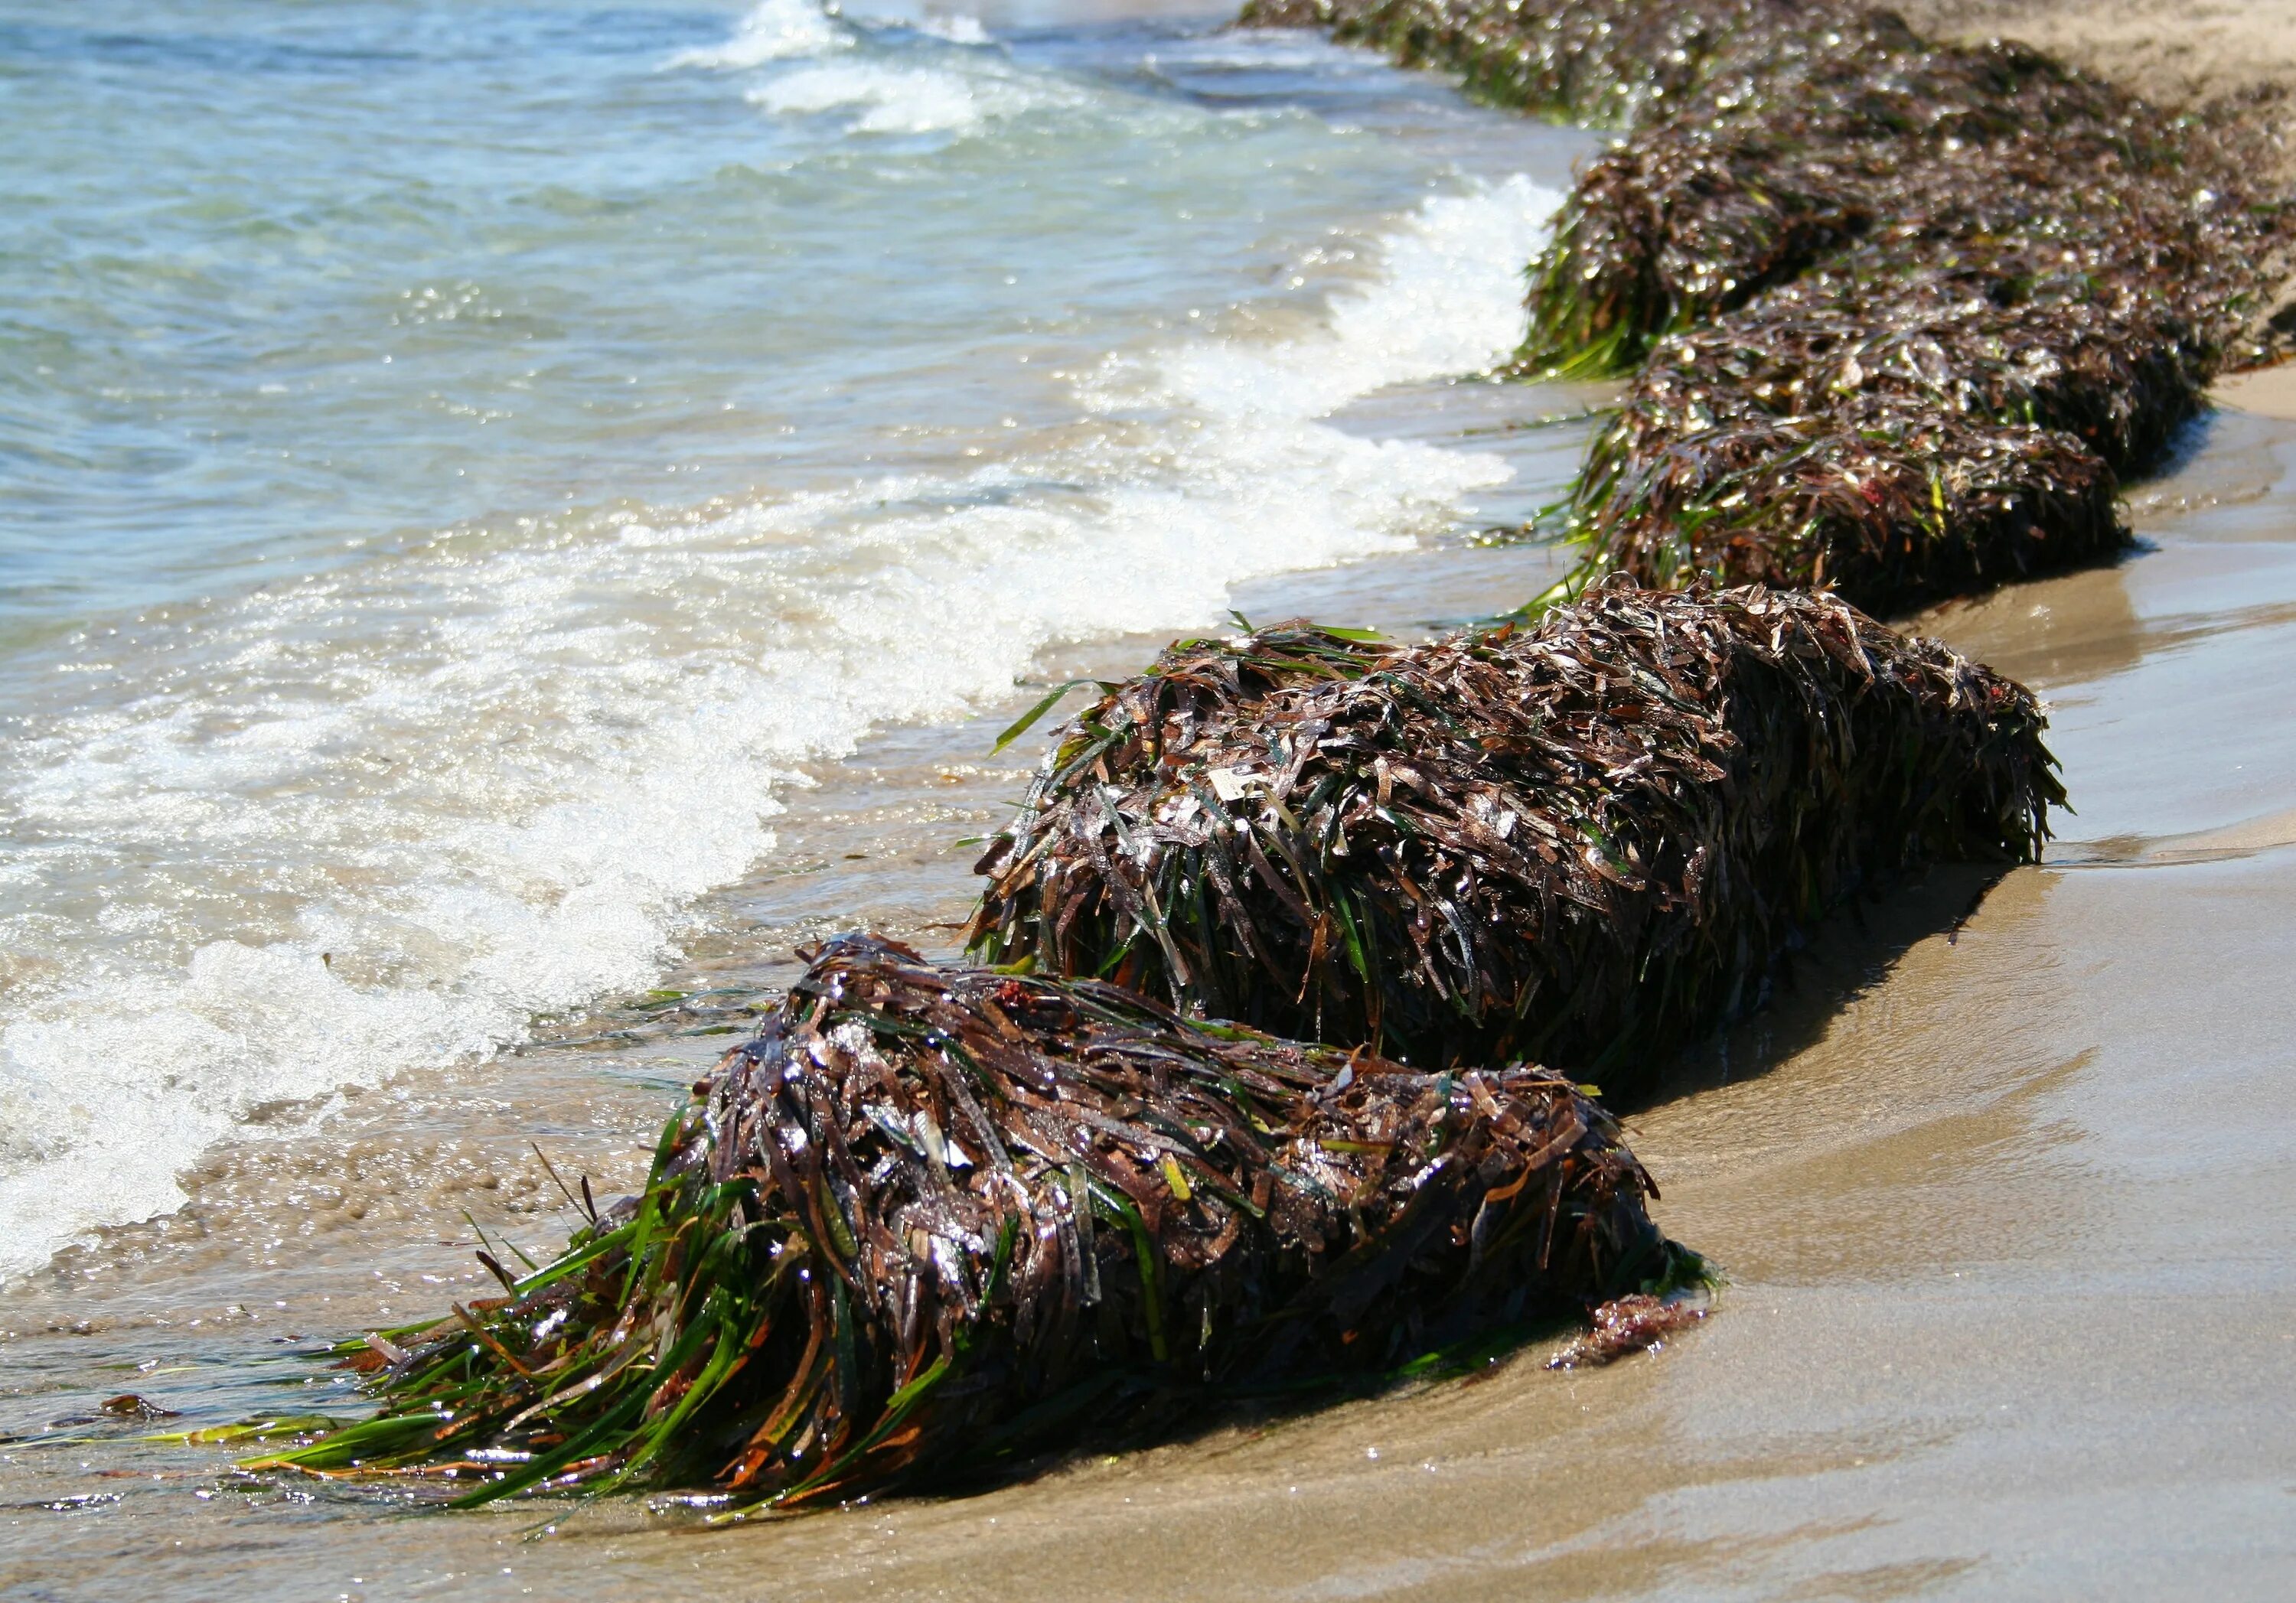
2007	1197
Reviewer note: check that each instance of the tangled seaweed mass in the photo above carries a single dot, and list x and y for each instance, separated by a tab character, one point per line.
932	1220
1899	314
1579	843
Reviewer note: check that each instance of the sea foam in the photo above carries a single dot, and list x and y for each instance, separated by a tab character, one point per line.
773	30
958	27
902	99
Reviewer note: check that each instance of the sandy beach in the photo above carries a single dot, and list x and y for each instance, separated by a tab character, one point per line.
2002	1182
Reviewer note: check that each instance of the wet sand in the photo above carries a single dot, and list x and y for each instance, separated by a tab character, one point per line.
2007	1198
2270	391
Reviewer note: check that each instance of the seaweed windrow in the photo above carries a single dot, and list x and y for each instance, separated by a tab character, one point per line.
932	1220
1614	62
1579	842
1900	314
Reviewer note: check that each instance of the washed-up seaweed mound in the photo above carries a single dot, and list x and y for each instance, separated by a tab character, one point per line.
1603	62
1920	473
1950	401
1580	842
1825	129
1903	313
931	1221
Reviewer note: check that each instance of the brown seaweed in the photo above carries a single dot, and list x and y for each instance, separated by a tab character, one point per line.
1901	315
1582	842
930	1221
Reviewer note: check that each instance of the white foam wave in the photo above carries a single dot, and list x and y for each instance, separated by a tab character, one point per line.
1449	280
957	28
374	823
908	99
773	30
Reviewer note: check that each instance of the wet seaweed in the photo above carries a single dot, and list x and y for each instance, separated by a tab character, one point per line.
932	1220
1582	842
1901	315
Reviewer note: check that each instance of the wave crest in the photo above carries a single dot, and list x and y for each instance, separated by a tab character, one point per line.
773	30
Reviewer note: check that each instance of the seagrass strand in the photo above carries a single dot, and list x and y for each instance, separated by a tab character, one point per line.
1580	842
931	1221
1900	315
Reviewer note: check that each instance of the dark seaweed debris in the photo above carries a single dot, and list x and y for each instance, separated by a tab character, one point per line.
1904	313
931	1221
1612	63
1580	842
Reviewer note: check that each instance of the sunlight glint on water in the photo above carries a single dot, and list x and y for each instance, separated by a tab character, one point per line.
425	600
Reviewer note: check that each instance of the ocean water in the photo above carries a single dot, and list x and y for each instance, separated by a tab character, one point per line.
464	466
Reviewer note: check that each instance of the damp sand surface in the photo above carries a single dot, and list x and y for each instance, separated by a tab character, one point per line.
2003	1179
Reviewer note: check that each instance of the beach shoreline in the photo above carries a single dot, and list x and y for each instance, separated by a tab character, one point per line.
2003	1179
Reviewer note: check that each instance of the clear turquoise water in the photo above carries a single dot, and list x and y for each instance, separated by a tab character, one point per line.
283	282
459	463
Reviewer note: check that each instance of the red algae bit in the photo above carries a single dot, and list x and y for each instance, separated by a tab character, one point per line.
1629	1324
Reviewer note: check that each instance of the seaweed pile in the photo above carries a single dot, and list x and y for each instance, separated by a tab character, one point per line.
1898	317
1582	842
932	1220
1609	63
1900	314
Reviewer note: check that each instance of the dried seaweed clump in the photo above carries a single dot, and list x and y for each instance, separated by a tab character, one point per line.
1581	843
932	1220
1904	313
